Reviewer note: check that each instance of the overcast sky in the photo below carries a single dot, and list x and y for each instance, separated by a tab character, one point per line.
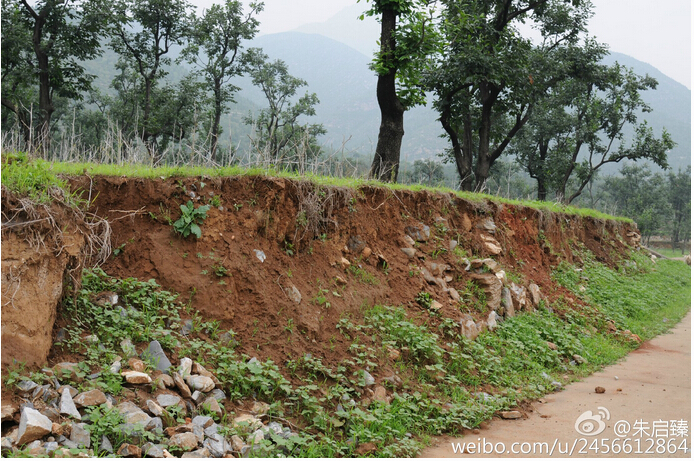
654	31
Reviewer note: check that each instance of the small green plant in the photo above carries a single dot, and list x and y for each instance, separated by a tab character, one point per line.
423	299
289	248
362	275
321	298
119	250
191	219
216	201
302	219
473	296
238	206
220	270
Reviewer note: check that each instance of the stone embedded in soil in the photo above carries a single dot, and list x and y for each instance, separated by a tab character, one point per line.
105	445
128	450
8	412
154	408
132	414
256	437
200	453
80	435
468	328
410	252
453	293
136	377
218	394
492	288
127	347
293	293
167	400
67	406
73	391
491	321
200	383
217	446
511	414
260	408
203	421
491	244
599	390
535	297
66	369
366	252
507	303
197	397
380	394
187	327
452	245
579	359
355	244
551	345
26	387
151	450
419	233
90	398
248	421
435	305
167	380
519	296
368	379
185	367
211	405
32	425
154	354
185	440
237	443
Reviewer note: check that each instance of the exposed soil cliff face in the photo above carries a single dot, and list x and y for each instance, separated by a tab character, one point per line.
40	246
305	231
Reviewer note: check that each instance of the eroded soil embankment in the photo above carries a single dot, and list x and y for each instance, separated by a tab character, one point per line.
341	249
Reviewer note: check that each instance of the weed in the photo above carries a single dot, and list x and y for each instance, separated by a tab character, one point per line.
190	220
423	299
220	270
288	248
238	206
362	275
216	201
473	296
119	250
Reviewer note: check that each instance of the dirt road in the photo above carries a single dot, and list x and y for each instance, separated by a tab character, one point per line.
648	391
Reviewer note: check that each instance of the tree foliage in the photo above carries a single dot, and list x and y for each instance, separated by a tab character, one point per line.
282	138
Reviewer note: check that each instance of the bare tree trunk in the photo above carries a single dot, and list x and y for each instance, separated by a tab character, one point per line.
387	158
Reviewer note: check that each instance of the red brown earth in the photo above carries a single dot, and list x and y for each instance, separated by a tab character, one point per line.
304	230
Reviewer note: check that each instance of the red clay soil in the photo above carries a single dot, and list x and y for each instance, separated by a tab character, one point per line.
303	230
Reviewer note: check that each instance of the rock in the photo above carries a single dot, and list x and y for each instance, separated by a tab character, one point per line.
237	443
50	447
136	377
203	421
167	400
556	385
218	394
57	429
90	398
212	430
293	293
340	280
435	305
127	347
32	426
366	252
73	391
155	425
393	354
599	390
355	244
507	303
167	380
80	435
518	294
248	421
380	395
579	359
453	293
256	437
26	387
129	451
67	406
490	244
66	370
167	454
452	245
487	225
492	288
151	450
491	321
115	367
200	453
154	354
132	414
182	386
468	328
511	414
197	397
200	383
368	379
105	445
344	263
217	446
410	252
551	345
260	408
501	275
535	297
185	368
136	364
419	233
154	408
211	405
8	412
187	327
186	440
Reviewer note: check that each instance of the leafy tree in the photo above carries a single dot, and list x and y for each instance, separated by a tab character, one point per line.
428	171
407	35
680	198
214	46
143	33
43	45
281	136
642	195
487	77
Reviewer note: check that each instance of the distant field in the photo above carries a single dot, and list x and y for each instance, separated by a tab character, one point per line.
670	253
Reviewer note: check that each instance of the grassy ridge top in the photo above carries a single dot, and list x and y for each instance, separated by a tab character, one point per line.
144	171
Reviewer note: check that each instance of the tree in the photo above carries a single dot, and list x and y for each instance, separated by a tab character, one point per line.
42	46
281	136
403	45
487	77
680	198
214	46
143	33
427	172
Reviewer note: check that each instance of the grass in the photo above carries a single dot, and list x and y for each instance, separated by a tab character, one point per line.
670	253
144	171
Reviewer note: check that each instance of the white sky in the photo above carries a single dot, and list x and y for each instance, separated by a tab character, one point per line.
654	31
